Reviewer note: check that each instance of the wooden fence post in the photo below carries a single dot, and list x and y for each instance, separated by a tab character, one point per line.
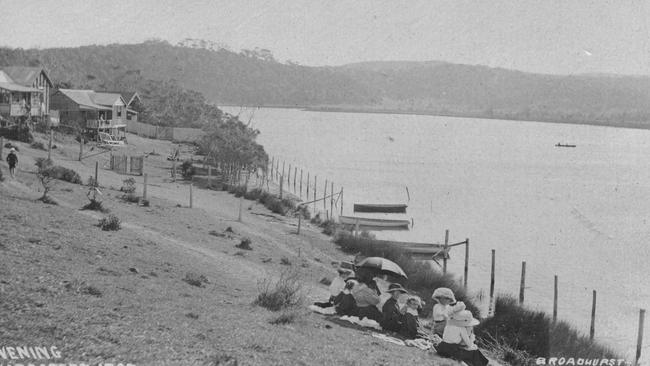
144	189
295	173
49	146
639	340
174	171
522	285
96	171
81	146
299	222
282	176
315	178
289	178
466	269
191	203
445	251
555	293
325	196
492	279
592	328
277	169
300	184
209	176
341	201
307	193
332	199
281	184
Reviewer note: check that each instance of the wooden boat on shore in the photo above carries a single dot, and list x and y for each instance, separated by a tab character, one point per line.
564	145
376	223
380	207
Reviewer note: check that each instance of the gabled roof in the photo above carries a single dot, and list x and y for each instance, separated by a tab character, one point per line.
18	88
83	98
25	75
107	99
128	96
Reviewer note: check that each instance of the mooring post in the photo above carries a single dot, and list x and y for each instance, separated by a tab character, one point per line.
639	340
466	269
144	188
289	178
444	253
325	196
592	328
307	190
332	199
295	174
341	201
555	293
492	279
300	184
522	285
315	179
299	222
282	176
281	185
96	171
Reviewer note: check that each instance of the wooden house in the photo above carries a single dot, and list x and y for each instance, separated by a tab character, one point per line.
92	111
24	94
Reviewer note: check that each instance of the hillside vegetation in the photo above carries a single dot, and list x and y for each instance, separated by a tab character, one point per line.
254	77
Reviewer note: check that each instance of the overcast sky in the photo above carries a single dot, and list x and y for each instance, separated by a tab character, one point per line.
548	36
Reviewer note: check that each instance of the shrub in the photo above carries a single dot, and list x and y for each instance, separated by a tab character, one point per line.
245	244
536	334
95	205
45	176
37	145
187	169
285	261
303	211
110	223
329	226
128	185
65	174
195	279
91	181
284	318
283	293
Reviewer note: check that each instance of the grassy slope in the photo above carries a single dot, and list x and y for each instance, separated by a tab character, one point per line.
65	282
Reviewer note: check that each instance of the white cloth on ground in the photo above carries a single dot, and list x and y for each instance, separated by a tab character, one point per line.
325	311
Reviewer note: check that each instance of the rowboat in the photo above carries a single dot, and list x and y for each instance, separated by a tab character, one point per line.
375	223
380	207
564	145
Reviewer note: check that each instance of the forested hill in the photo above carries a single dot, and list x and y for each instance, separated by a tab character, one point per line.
254	77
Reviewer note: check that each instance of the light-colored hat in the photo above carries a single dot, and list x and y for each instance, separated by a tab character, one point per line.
396	287
463	318
417	299
12	149
443	292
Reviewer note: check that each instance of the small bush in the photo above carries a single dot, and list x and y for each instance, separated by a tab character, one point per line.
128	185
95	205
285	261
329	227
130	197
195	279
283	293
284	318
91	181
110	223
68	175
49	200
37	145
245	244
187	169
303	211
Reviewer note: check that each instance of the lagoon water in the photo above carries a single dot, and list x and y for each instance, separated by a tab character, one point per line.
581	213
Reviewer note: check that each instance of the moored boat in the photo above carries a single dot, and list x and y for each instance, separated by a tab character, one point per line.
564	145
380	207
376	223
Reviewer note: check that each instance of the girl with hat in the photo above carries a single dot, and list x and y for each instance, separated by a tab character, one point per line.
392	316
411	328
12	160
458	340
446	305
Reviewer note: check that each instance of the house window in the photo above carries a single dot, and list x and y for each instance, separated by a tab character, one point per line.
119	112
4	97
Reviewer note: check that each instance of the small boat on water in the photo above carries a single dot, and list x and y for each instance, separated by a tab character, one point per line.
380	207
376	223
564	145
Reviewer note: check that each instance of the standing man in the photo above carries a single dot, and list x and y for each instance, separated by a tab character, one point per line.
12	160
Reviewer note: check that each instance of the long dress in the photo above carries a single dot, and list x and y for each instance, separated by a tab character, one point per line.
392	318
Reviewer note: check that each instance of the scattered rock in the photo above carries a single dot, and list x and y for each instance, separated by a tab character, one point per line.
134	270
34	240
266	260
192	316
229	230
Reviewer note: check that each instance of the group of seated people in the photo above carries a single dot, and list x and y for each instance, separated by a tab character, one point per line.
452	326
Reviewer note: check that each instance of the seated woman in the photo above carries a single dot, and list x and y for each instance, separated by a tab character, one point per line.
366	294
458	340
411	328
336	287
446	305
392	316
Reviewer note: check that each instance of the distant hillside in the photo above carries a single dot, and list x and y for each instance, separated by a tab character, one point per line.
254	77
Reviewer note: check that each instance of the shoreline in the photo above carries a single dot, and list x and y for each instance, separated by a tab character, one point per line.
334	109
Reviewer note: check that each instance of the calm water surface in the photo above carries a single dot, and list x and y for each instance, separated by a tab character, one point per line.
581	213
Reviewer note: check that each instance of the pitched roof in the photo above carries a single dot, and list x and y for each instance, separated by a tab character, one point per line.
126	95
106	99
83	98
24	75
18	88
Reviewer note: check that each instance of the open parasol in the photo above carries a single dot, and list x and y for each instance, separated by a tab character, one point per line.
382	265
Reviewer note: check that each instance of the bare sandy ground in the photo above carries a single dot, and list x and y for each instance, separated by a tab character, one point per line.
119	296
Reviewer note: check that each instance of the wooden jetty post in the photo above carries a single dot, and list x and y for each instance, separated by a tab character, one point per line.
191	203
289	178
522	285
492	278
277	169
144	188
282	176
341	201
445	251
49	146
281	185
307	193
466	269
639	340
96	172
555	299
81	146
295	173
592	328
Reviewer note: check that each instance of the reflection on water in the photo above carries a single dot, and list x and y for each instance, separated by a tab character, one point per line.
581	213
